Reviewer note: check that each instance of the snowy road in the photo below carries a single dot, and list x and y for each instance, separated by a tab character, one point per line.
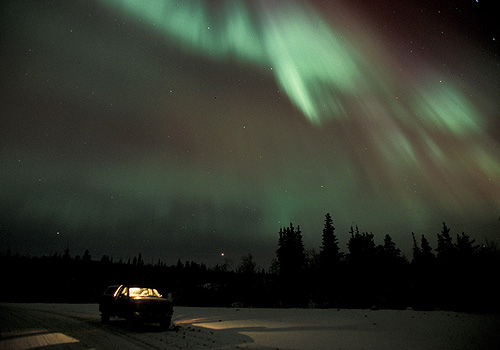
77	327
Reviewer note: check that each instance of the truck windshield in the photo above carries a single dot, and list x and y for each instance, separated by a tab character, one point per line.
143	292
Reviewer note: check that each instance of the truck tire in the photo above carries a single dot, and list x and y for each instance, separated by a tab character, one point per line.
165	323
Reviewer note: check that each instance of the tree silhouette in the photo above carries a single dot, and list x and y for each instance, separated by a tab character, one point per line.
427	255
86	256
291	263
247	265
361	274
458	275
361	247
422	255
389	251
416	249
329	250
66	255
465	247
393	275
424	274
445	248
179	265
290	253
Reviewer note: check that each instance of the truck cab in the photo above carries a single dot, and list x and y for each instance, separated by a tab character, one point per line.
136	304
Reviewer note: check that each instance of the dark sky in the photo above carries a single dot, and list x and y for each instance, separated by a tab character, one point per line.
188	129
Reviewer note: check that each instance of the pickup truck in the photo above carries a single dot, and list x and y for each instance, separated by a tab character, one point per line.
136	304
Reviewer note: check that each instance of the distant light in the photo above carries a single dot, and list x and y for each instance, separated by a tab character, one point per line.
222	254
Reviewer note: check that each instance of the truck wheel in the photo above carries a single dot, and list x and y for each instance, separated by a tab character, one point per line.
165	323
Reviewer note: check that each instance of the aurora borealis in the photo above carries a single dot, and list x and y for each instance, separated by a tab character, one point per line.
184	129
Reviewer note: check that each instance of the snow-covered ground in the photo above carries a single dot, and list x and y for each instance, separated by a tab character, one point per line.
351	329
230	328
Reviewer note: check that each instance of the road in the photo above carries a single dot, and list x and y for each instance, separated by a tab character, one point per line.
78	327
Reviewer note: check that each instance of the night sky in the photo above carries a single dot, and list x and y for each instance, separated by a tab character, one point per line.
188	129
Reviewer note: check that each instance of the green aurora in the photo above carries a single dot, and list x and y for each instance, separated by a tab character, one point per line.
188	128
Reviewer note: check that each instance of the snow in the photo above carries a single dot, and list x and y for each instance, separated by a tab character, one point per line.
356	329
231	328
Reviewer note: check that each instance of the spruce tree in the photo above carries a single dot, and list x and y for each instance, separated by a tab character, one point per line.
417	252
465	247
389	248
445	248
424	274
422	255
361	247
361	274
291	262
329	253
290	253
281	251
299	254
388	253
427	255
247	265
86	256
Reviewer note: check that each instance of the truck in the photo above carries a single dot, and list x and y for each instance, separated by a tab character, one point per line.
137	304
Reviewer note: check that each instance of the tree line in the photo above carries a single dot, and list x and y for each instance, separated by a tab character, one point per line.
458	274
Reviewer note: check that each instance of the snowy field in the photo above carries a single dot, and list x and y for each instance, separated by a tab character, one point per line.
25	326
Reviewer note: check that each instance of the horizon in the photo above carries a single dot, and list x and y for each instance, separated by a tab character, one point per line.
263	258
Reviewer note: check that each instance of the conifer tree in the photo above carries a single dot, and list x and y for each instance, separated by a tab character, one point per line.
427	255
422	255
361	247
388	253
389	248
291	262
247	265
416	249
329	253
290	252
66	255
465	247
179	265
424	277
86	256
445	248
